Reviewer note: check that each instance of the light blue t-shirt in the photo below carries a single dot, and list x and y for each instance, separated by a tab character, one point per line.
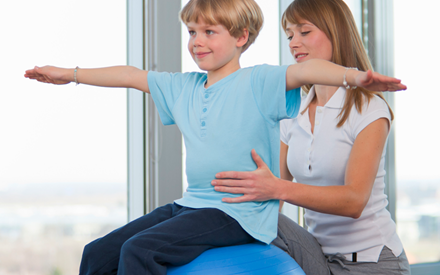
221	124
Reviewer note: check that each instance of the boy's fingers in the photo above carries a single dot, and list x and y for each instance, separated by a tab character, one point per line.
398	87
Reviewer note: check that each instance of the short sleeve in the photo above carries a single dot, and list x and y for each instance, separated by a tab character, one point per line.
269	88
371	111
165	88
285	126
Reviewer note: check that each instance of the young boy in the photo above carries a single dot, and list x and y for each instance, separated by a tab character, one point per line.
223	114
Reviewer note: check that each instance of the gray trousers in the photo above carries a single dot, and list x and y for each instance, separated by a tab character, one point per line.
307	252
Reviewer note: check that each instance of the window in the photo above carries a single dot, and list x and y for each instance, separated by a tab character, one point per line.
417	147
63	149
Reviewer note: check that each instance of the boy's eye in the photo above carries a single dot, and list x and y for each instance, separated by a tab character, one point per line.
192	33
209	32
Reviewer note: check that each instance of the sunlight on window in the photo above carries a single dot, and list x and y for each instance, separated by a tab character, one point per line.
417	146
63	148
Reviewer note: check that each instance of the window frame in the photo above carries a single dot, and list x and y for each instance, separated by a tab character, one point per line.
154	165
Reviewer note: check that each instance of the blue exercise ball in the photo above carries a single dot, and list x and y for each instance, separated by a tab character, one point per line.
253	258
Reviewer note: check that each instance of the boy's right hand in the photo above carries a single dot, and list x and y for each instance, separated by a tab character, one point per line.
374	81
50	74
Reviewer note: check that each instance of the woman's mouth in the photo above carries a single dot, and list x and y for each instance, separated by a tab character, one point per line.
300	56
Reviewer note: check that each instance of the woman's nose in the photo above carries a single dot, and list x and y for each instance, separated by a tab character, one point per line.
294	43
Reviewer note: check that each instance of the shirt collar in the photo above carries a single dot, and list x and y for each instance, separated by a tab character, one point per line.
336	101
310	95
303	118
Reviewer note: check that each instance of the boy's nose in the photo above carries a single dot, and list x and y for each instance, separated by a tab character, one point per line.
197	41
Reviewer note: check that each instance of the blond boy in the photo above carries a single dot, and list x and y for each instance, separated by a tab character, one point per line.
223	114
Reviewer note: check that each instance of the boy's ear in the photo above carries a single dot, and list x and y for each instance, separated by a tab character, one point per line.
243	39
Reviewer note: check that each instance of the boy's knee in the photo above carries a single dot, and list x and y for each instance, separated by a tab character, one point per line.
128	248
90	249
134	247
90	257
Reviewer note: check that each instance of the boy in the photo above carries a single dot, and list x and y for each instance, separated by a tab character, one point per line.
222	114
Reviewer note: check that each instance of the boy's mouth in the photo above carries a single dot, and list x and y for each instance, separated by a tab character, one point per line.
199	55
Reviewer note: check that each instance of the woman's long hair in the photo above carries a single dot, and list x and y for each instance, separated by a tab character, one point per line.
335	19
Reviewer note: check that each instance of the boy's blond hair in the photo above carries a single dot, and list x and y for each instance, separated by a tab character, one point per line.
234	15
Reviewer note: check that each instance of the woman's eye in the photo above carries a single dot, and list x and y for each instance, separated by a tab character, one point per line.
305	33
290	38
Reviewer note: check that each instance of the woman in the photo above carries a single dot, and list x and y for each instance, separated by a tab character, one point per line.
335	149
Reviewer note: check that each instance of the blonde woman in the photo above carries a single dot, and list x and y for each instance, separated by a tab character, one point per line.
335	150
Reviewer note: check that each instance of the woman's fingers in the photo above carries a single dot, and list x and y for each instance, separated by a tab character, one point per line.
242	175
232	183
234	187
232	190
254	185
232	175
243	198
257	159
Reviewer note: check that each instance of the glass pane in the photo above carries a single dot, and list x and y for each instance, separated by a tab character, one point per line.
417	146
63	148
356	9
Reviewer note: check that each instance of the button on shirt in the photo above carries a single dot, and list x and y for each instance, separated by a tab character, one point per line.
321	158
221	124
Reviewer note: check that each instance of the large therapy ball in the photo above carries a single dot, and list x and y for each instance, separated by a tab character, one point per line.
253	258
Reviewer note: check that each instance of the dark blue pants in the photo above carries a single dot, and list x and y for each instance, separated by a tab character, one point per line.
170	235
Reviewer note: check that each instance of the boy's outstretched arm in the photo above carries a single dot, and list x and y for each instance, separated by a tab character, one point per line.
118	76
318	71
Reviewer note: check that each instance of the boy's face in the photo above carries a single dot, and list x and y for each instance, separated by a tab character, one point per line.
212	47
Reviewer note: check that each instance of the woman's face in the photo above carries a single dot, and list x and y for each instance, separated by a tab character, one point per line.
308	42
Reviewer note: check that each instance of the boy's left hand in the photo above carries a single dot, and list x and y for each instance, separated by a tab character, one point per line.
378	82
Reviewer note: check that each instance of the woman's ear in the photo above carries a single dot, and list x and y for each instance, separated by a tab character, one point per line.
243	39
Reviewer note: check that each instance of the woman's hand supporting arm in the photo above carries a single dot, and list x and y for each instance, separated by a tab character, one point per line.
318	71
344	200
117	76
